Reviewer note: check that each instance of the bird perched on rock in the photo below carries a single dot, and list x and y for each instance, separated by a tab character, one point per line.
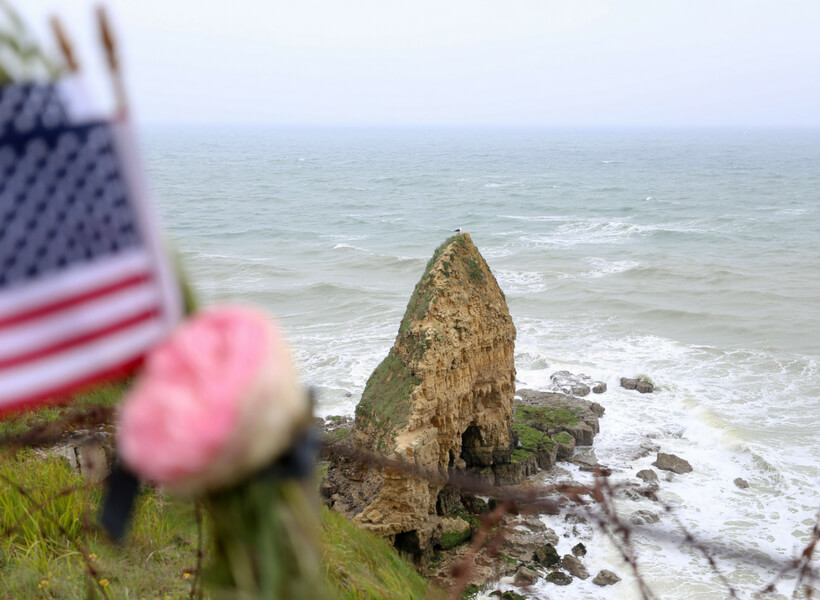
457	230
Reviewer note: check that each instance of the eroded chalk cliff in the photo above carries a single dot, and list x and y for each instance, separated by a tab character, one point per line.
443	396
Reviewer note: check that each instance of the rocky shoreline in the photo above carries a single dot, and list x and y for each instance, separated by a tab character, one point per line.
550	428
441	408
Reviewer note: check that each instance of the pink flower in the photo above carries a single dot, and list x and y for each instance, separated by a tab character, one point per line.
216	401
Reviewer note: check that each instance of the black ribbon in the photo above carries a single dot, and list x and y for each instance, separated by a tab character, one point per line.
120	493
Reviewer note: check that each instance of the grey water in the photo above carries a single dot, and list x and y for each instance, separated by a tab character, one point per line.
687	255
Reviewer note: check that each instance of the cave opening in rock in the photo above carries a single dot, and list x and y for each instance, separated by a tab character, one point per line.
408	542
473	449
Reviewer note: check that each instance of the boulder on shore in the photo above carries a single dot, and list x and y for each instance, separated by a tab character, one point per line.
576	385
605	577
642	385
670	462
574	566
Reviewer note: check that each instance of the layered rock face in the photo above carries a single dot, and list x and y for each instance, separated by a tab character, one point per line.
443	397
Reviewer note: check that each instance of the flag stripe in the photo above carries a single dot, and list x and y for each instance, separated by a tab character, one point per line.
74	281
58	393
84	338
31	335
49	309
77	364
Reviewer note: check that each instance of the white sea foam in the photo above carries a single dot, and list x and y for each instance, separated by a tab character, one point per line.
602	268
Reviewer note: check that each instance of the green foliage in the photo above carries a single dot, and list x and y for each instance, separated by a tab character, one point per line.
563	438
339	434
520	455
474	270
451	539
545	417
21	58
362	566
385	403
470	592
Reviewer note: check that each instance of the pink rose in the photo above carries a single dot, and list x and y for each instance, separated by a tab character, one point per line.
216	401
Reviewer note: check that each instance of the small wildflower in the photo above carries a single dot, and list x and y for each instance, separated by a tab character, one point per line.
104	583
92	556
42	584
186	575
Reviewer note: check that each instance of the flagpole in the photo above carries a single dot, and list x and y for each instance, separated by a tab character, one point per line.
64	43
108	40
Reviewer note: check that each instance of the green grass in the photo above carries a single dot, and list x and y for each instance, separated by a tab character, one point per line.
50	544
360	565
385	403
51	548
563	438
106	396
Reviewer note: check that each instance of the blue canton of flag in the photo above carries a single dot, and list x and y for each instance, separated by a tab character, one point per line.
85	289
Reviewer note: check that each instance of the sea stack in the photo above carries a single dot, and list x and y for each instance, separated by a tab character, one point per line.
442	399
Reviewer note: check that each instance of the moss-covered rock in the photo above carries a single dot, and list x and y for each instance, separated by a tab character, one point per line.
454	531
547	556
385	403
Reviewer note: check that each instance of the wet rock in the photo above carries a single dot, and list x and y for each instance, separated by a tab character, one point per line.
670	462
643	517
574	566
547	556
559	578
741	483
565	444
508	595
576	385
525	576
605	577
520	468
579	549
646	448
648	475
567	383
640	384
588	462
524	534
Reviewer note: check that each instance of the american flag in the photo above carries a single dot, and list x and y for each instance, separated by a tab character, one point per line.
85	288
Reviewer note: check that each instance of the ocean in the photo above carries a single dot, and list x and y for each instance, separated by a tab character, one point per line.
688	256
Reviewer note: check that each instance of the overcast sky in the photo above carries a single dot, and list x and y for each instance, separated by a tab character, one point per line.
461	62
